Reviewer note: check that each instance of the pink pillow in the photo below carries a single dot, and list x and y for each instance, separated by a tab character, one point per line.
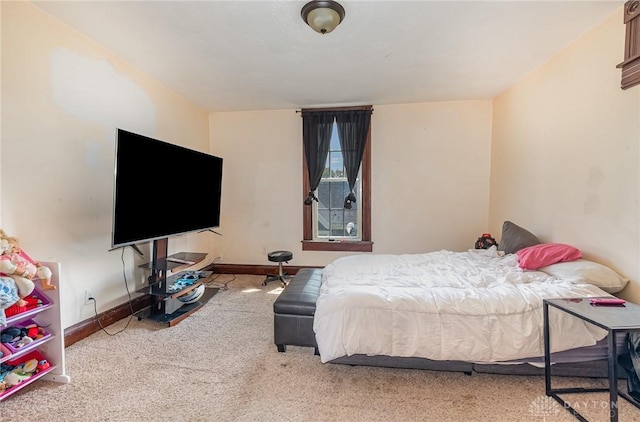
544	254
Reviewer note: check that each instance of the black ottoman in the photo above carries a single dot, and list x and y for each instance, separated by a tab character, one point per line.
294	310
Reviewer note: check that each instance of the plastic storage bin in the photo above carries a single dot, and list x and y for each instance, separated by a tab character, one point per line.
20	344
43	367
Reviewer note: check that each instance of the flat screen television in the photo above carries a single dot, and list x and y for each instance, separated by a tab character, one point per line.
162	190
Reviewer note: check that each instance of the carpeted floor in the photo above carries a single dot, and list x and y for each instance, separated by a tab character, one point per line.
220	364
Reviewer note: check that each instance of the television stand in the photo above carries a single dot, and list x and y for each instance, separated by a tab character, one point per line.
175	261
166	290
167	308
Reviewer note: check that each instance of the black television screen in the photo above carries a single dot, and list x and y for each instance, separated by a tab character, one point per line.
162	190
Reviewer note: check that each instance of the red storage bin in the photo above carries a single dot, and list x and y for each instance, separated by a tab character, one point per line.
43	366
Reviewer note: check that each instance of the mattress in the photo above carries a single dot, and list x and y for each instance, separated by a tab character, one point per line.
475	306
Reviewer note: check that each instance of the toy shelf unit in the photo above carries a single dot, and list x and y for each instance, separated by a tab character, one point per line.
175	296
47	350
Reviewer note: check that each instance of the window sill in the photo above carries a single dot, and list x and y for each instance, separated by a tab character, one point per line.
346	246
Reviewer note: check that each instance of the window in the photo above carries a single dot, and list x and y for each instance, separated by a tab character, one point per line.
331	221
328	226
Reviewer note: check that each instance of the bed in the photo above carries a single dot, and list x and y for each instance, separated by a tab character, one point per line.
474	309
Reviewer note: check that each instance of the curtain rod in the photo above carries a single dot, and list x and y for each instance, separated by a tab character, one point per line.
339	110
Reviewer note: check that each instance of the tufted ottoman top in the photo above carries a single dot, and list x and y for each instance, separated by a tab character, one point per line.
301	294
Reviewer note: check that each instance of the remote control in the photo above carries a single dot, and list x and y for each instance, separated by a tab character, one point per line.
607	301
180	261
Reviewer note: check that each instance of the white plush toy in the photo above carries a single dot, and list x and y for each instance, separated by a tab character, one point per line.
15	263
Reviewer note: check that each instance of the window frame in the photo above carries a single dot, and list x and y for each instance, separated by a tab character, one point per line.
363	245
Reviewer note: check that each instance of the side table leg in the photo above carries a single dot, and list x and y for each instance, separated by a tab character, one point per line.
547	350
613	376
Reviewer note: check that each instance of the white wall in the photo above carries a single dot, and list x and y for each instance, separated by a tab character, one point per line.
430	180
430	175
565	154
62	98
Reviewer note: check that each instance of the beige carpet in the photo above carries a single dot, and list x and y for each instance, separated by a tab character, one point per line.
220	364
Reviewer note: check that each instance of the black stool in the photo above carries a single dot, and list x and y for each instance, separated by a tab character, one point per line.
279	257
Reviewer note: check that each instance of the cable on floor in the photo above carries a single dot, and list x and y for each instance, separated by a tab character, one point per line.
213	283
126	285
220	285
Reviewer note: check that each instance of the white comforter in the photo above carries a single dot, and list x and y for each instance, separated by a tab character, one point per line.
472	306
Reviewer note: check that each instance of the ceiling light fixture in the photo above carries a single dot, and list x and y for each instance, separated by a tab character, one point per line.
322	16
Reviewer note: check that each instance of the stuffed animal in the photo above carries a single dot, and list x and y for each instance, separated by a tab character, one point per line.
15	263
8	297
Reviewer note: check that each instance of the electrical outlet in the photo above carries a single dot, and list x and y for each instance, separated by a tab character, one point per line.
87	297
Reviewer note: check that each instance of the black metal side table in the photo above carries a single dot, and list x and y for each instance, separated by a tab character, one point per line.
614	319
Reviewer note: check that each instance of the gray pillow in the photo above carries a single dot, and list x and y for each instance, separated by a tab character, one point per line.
515	238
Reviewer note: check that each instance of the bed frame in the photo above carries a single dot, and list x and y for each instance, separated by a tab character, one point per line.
294	310
589	369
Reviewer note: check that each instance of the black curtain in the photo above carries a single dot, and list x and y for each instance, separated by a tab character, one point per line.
353	127
316	135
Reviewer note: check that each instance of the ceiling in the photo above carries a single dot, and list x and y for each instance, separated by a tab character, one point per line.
257	55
